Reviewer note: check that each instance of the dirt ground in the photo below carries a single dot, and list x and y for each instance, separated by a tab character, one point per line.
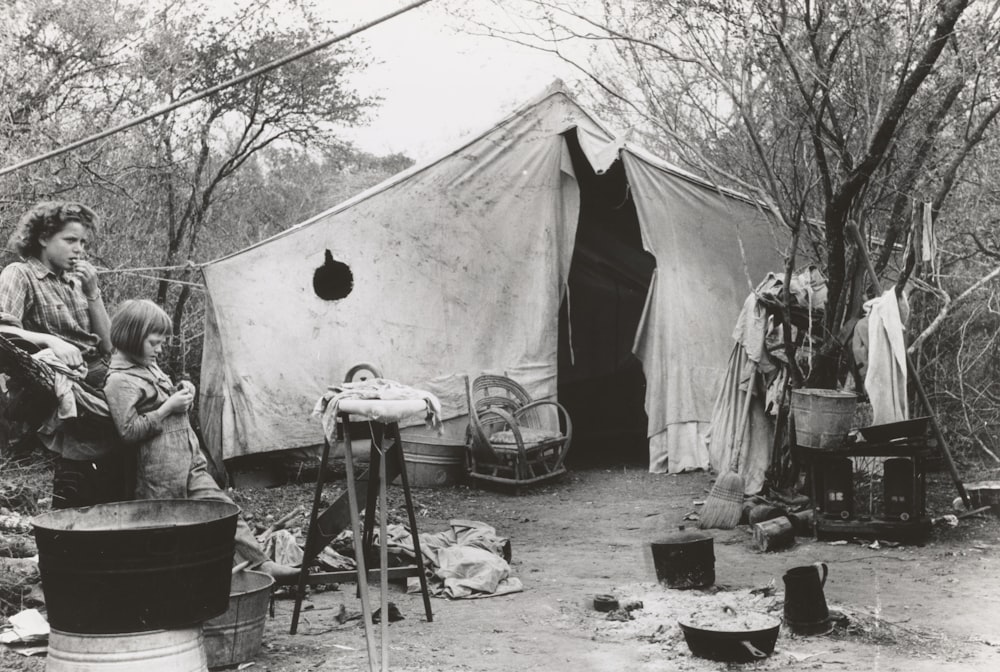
914	608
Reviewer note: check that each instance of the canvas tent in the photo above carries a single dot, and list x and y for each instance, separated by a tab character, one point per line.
461	266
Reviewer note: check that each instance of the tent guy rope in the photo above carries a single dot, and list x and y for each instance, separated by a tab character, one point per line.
211	90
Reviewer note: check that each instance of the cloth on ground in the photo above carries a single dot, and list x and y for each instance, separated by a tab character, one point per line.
885	377
373	388
282	547
465	561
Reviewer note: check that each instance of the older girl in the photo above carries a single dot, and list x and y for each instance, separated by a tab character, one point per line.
52	299
151	413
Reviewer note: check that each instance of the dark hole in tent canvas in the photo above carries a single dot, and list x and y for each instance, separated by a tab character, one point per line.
333	280
601	383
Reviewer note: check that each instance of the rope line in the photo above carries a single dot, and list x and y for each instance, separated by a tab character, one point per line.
264	69
196	285
191	266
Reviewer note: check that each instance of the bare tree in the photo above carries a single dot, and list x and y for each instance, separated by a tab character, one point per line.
75	67
832	111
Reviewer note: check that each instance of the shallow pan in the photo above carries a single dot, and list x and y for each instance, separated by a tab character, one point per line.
732	646
914	427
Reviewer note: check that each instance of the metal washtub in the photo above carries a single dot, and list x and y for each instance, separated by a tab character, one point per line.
135	566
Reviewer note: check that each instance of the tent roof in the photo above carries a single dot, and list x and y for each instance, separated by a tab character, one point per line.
603	151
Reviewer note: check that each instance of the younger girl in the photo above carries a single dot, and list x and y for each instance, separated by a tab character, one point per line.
151	413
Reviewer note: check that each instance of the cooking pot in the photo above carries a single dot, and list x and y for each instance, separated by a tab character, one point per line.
717	642
684	559
135	566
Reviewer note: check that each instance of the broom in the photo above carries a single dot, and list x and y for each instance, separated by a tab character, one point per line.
724	504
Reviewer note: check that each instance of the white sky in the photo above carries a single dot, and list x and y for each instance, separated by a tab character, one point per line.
439	85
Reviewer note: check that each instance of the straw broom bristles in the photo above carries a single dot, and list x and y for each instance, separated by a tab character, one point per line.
724	504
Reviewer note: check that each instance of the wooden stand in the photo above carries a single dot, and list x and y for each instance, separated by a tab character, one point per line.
841	518
386	463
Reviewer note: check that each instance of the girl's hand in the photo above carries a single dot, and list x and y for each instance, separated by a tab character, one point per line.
88	276
178	402
186	385
67	352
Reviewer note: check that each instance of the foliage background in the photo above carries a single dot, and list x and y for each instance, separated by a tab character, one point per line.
830	111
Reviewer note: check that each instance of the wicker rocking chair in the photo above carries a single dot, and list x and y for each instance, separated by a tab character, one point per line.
507	439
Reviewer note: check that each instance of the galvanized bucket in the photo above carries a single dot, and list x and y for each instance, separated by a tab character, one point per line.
235	637
178	650
822	417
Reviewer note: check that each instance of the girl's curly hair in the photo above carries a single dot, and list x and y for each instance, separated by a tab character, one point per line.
47	219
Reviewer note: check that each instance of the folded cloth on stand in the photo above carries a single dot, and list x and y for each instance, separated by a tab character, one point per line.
374	389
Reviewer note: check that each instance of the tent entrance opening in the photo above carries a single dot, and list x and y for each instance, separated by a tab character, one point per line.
601	383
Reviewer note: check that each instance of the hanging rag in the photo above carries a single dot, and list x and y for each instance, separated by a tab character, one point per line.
885	377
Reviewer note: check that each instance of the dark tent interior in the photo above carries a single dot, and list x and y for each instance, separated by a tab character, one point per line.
601	383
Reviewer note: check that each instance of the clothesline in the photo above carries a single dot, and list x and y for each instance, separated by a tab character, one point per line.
196	285
188	266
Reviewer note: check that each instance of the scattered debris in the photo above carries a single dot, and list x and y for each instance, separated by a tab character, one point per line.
12	521
774	535
394	614
620	615
605	603
281	523
632	605
951	519
802	657
343	615
19	579
765	591
27	633
17	546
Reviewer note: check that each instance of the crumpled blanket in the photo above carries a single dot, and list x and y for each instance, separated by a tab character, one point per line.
63	381
282	547
465	561
71	397
373	388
